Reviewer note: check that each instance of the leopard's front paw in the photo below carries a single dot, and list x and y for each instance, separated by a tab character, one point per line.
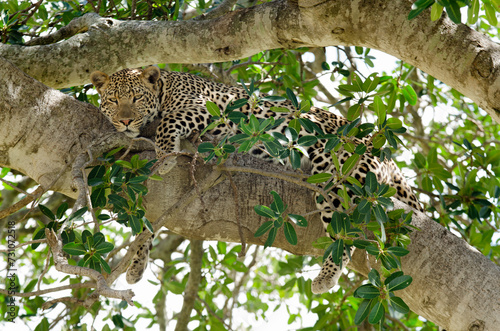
167	165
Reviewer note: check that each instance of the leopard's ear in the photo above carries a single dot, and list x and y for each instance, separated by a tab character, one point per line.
150	76
100	80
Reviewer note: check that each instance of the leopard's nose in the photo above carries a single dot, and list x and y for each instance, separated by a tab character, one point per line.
127	121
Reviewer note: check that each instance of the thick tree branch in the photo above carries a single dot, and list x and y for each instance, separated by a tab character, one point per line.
455	54
42	131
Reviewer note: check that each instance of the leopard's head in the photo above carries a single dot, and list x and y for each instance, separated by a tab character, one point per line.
129	97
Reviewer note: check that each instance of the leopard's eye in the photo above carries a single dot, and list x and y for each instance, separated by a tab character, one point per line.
113	100
138	97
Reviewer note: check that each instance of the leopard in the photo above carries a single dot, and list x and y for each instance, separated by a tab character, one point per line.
133	98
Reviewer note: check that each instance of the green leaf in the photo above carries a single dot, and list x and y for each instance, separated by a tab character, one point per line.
43	325
104	248
294	127
104	264
46	211
277	205
350	163
399	283
135	224
353	112
427	184
236	104
364	207
491	14
274	98
371	82
206	147
380	214
410	95
394	275
175	287
61	210
453	10
98	197
270	239
264	228
399	305
420	161
307	141
298	219
376	313
292	97
437	11
398	251
213	109
439	171
371	182
337	251
74	249
295	159
264	211
367	291
389	261
319	178
379	141
419	6
380	109
280	109
374	278
290	234
360	149
98	238
363	311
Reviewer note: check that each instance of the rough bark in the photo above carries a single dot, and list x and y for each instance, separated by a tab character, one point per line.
455	54
43	131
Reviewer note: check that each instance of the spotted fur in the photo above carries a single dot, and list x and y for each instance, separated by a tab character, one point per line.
131	98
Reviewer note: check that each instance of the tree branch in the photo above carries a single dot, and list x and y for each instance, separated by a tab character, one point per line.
193	283
455	54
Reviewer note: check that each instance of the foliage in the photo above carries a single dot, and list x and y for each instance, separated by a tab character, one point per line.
428	128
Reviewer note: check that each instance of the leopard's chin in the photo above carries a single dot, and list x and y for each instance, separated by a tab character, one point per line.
129	133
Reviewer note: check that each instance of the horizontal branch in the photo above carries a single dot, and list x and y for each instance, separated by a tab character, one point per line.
42	131
90	284
455	54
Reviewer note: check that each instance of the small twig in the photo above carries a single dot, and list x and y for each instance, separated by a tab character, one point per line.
211	312
24	244
50	290
45	270
49	303
22	203
87	193
15	187
238	220
132	9
225	7
77	25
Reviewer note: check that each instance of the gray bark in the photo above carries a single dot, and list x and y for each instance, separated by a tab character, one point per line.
43	132
455	54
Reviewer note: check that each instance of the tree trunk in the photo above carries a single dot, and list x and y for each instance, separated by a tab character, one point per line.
44	133
455	54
